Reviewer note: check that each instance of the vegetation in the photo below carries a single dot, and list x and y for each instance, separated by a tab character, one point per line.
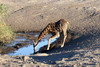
6	34
3	10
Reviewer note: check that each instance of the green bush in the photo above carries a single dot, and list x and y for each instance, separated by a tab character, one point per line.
6	34
3	10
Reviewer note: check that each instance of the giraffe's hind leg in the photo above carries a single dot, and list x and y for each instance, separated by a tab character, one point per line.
64	34
52	37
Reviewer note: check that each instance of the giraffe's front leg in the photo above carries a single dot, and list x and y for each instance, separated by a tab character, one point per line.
48	44
52	37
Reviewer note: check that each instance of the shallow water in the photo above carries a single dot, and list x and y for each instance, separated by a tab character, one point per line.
27	50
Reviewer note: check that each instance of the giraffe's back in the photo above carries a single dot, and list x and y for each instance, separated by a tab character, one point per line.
59	26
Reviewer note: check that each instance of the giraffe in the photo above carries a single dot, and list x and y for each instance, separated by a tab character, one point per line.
55	29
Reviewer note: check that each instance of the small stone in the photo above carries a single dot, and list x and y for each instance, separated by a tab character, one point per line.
25	58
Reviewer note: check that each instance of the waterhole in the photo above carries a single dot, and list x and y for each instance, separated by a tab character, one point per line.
27	49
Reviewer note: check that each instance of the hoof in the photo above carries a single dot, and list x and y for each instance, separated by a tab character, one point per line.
47	48
62	46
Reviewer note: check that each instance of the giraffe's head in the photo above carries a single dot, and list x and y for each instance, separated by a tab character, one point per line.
34	43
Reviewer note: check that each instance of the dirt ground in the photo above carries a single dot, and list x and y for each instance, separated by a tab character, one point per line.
34	15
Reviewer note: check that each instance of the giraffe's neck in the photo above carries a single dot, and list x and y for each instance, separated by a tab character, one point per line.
44	32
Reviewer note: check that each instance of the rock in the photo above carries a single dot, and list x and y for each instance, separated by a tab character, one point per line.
41	54
25	58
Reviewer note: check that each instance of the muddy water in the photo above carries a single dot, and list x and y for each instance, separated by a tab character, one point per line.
27	49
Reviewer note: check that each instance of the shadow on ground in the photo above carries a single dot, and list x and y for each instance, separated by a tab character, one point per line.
83	42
